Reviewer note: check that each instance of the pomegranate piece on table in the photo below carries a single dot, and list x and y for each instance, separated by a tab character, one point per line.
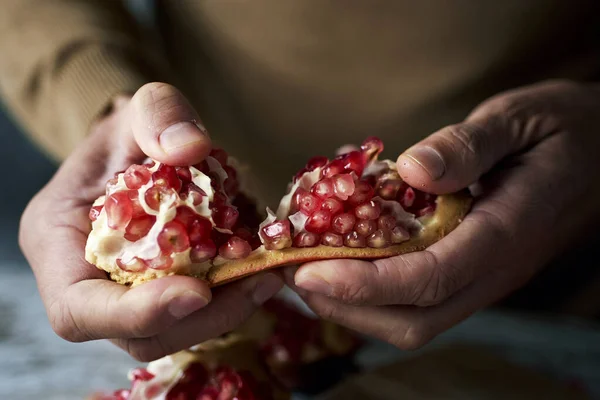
227	368
158	220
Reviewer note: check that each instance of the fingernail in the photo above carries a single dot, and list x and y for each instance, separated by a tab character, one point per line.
314	283
183	304
179	135
267	287
429	159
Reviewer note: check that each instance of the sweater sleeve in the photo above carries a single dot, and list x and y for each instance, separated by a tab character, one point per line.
62	61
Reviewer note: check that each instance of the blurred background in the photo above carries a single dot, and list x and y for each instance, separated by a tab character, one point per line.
36	364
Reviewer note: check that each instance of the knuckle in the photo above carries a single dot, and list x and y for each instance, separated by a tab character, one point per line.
328	311
62	322
440	286
354	293
468	140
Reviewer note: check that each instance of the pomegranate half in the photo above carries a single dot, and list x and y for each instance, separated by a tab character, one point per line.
157	220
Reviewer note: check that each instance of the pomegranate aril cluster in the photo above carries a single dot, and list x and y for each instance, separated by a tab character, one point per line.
162	186
346	207
197	383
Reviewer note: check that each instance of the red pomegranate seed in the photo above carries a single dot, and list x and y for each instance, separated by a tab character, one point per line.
332	239
134	265
173	238
353	162
379	239
389	188
353	239
408	197
277	235
229	383
323	188
371	147
95	212
160	262
202	167
156	195
335	167
316	162
140	374
399	235
231	184
197	194
370	210
203	251
308	203
209	393
319	222
306	239
235	248
136	176
225	217
121	394
343	186
386	222
333	206
215	180
365	227
243	233
136	206
219	199
139	227
363	192
184	174
119	210
220	155
424	211
343	223
199	230
185	215
166	175
295	204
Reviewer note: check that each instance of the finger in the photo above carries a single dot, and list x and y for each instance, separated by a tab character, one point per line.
166	126
99	308
458	155
231	306
411	327
421	278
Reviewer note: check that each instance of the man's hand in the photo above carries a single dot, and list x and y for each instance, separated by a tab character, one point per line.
533	153
153	319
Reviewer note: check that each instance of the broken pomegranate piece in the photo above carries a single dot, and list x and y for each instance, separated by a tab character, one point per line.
157	220
196	220
220	369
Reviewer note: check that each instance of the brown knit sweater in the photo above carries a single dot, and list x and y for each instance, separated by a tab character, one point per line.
276	79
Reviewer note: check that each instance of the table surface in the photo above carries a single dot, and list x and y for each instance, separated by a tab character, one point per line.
36	364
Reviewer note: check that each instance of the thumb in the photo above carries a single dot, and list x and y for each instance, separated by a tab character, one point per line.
166	127
458	155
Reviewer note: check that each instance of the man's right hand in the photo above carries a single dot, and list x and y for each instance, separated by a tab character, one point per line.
159	317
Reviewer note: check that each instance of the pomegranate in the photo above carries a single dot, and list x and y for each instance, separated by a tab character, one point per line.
158	220
220	369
